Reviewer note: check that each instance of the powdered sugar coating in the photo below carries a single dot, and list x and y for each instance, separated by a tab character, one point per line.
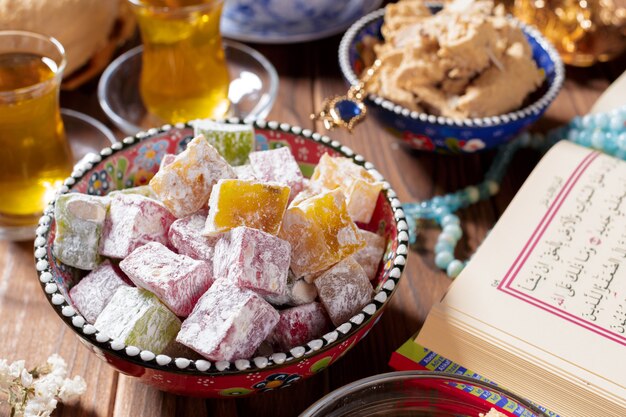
254	260
343	290
245	172
228	323
133	220
79	222
95	290
167	159
369	257
185	235
298	325
185	184
136	317
280	166
177	280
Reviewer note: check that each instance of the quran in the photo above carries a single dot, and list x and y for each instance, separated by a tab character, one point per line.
541	307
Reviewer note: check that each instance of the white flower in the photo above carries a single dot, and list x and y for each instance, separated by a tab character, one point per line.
26	378
72	388
40	407
16	368
58	365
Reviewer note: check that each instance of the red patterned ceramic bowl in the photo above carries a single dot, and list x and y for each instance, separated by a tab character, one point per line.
133	162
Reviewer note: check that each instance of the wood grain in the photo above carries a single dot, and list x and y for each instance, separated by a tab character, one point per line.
30	330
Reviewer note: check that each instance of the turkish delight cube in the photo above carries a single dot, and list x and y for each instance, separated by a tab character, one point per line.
136	317
177	280
246	203
185	184
254	260
321	233
359	186
95	290
278	165
343	290
228	323
297	292
233	141
133	220
369	257
298	325
79	220
185	235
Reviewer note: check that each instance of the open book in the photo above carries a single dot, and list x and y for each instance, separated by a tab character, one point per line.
541	308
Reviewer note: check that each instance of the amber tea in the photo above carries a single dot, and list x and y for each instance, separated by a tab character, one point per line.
35	154
184	74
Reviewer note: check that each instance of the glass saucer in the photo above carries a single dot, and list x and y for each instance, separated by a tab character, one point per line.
86	135
252	92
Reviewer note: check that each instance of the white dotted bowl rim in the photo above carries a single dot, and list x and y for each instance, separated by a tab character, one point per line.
489	122
88	332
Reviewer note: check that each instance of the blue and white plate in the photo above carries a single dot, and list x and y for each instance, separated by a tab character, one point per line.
293	32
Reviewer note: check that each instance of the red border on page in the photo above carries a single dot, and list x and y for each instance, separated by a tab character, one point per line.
522	257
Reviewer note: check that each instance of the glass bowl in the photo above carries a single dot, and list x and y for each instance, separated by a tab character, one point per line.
420	394
252	92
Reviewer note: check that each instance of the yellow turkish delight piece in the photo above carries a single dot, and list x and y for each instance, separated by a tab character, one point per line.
359	186
321	233
250	203
185	184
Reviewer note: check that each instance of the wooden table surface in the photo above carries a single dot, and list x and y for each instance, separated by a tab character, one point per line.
30	330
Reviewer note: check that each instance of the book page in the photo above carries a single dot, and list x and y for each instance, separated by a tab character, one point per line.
550	279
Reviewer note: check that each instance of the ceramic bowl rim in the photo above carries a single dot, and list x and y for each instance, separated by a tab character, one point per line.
147	359
532	109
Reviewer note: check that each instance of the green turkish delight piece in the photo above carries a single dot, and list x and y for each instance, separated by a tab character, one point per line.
79	221
136	317
233	141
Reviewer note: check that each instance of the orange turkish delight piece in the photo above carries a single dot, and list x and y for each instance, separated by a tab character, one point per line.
359	186
321	233
249	203
184	185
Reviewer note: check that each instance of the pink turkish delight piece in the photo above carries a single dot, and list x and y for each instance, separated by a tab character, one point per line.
254	260
369	257
132	221
185	236
228	323
278	165
343	290
94	291
298	325
177	280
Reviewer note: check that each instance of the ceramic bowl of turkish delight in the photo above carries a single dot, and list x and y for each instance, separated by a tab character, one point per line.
454	79
222	258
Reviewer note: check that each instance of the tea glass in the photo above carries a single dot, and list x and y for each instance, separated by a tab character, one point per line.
184	74
35	156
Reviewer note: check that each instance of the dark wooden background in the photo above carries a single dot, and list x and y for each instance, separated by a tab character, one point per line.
30	330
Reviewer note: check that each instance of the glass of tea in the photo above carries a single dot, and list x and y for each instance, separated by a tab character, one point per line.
184	74
35	156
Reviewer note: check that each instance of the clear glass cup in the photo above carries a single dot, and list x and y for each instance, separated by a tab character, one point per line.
419	394
583	31
35	156
184	74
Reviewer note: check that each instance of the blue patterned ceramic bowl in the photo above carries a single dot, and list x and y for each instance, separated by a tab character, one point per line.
443	134
280	12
